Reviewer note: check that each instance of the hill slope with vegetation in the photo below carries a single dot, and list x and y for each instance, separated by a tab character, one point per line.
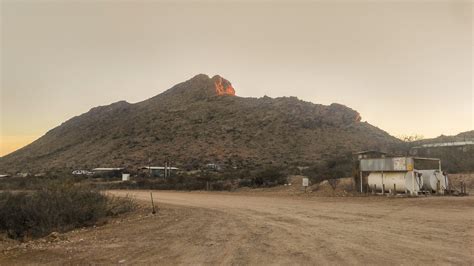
201	121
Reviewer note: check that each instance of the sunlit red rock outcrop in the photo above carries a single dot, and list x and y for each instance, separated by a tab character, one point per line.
223	86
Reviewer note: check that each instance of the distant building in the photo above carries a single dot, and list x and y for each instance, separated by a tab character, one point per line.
213	167
447	144
24	174
369	154
427	148
107	172
159	171
82	172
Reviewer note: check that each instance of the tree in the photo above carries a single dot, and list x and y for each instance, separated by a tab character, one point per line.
411	138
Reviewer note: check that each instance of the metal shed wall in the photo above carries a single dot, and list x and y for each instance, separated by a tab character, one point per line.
387	164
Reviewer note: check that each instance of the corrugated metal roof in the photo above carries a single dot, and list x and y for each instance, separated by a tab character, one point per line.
107	169
370	151
445	144
391	163
159	168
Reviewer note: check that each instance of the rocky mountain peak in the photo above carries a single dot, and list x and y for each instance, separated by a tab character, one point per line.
199	87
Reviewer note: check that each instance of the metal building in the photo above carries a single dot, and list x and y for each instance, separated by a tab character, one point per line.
160	171
107	172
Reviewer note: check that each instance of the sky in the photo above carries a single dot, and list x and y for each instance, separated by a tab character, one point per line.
406	66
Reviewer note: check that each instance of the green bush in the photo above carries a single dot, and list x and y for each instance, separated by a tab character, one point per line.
56	207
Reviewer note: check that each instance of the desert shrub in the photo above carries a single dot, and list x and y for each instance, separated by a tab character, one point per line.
269	176
266	177
35	183
235	174
56	207
329	169
221	185
228	180
120	205
23	183
246	182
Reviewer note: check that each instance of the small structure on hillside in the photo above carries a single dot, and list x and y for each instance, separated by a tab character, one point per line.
369	154
107	172
410	175
23	174
160	171
82	172
446	144
213	167
125	177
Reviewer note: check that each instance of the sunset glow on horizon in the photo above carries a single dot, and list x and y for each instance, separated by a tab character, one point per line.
406	67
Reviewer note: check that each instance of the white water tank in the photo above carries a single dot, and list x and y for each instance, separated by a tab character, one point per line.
431	178
402	181
125	177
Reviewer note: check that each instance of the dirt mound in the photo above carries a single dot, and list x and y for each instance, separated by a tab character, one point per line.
334	188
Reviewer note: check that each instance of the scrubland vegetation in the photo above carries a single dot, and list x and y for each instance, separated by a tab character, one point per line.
57	206
33	207
207	180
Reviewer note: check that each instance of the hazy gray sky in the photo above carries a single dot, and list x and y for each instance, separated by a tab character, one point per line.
406	66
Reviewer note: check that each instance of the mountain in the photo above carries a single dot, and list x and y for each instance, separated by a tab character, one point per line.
196	122
463	136
456	152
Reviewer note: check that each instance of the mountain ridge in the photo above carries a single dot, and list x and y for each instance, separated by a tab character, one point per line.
198	121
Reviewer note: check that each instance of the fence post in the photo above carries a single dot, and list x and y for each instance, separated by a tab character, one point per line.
152	203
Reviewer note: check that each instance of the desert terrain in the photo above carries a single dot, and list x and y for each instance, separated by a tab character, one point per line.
267	228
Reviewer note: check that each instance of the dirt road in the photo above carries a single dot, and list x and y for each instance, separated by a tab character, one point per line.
231	228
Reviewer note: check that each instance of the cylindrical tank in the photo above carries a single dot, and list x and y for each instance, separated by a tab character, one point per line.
402	181
431	178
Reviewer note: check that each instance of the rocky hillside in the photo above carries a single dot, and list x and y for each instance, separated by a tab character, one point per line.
463	136
196	122
455	159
